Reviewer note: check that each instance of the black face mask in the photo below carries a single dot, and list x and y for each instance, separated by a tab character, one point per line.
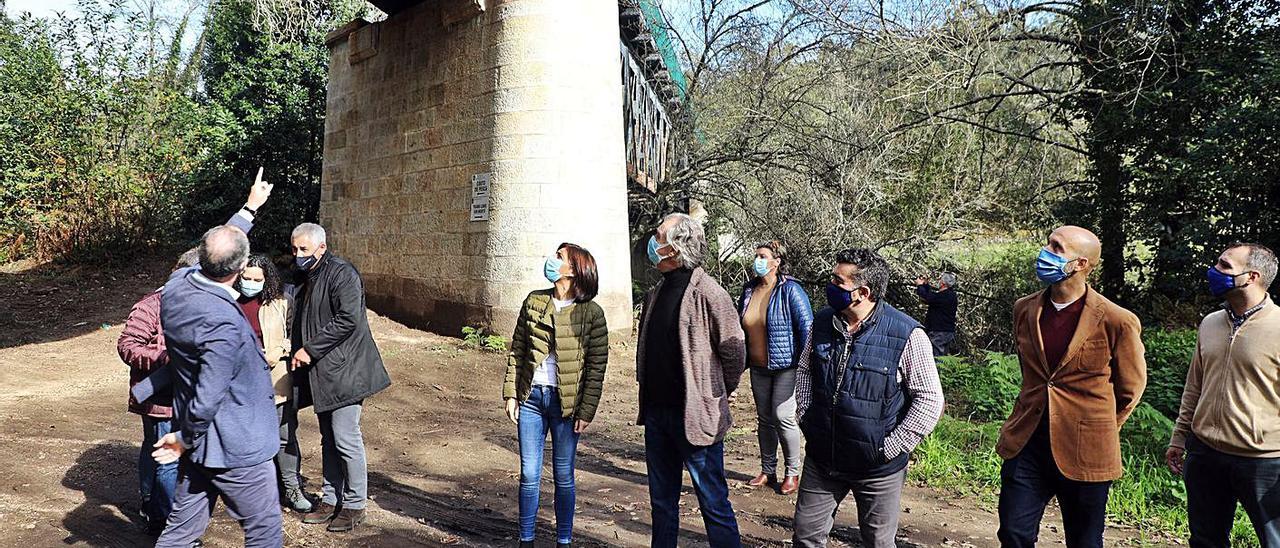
305	264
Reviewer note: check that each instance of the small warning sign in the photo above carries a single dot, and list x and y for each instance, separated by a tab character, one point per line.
480	196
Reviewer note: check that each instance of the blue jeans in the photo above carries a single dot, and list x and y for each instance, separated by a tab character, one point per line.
156	482
666	448
538	414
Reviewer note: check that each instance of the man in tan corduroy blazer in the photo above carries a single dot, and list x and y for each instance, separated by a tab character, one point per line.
1083	372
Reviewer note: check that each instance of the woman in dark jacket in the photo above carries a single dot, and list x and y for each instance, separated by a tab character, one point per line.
555	374
776	318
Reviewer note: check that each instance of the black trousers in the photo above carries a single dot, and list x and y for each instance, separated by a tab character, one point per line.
1216	481
1027	483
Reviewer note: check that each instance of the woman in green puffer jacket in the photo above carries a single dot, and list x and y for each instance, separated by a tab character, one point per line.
555	374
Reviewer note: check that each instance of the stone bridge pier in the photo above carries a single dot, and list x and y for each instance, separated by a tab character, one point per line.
443	95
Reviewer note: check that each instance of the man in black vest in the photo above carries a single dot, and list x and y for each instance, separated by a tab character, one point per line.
867	390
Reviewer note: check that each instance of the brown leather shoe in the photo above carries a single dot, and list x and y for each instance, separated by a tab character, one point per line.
322	513
762	480
346	520
790	485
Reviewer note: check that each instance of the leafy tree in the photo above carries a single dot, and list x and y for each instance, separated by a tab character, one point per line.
1208	173
267	92
96	132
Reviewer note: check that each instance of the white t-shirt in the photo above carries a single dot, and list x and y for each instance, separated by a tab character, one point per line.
1059	307
545	374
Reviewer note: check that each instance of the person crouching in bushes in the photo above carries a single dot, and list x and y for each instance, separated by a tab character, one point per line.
269	310
555	373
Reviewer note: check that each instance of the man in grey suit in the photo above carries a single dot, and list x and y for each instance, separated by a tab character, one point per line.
224	403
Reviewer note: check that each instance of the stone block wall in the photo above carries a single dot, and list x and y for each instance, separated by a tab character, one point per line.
528	90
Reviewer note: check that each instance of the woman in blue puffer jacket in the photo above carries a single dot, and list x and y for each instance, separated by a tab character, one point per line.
776	317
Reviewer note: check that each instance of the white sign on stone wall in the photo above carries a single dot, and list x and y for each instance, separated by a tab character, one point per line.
480	196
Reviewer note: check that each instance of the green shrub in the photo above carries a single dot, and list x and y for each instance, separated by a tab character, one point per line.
1146	433
959	455
97	133
982	391
1168	357
480	339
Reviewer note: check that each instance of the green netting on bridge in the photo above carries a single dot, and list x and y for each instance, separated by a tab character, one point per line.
657	25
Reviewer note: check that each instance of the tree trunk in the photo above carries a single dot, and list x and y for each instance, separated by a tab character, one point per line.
1113	210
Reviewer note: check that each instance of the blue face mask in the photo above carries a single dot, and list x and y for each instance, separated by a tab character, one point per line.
251	289
551	269
1051	268
1220	282
654	257
305	263
761	266
838	298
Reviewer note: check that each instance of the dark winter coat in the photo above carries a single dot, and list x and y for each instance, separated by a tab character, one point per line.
331	323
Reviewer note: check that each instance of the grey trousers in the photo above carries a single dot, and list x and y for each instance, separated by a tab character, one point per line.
251	497
941	341
878	500
289	459
775	395
343	463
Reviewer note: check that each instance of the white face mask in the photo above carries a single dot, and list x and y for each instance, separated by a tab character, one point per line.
761	266
250	288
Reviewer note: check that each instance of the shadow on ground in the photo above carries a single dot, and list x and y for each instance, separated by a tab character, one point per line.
107	476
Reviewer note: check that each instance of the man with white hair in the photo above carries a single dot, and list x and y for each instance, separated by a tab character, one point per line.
940	318
334	346
690	356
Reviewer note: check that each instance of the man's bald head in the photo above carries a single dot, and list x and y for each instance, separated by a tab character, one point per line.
1077	243
224	250
1081	242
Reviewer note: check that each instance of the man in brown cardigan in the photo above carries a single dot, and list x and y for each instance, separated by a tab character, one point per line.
1083	371
690	356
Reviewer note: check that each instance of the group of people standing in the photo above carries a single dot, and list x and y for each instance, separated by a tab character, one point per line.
226	353
860	374
858	381
223	357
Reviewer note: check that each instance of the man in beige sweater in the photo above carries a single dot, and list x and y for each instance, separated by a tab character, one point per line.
1226	443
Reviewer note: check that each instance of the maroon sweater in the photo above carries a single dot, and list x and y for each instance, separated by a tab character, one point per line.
141	346
1057	328
251	308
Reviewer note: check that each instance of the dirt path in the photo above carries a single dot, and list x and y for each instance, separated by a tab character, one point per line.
442	457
